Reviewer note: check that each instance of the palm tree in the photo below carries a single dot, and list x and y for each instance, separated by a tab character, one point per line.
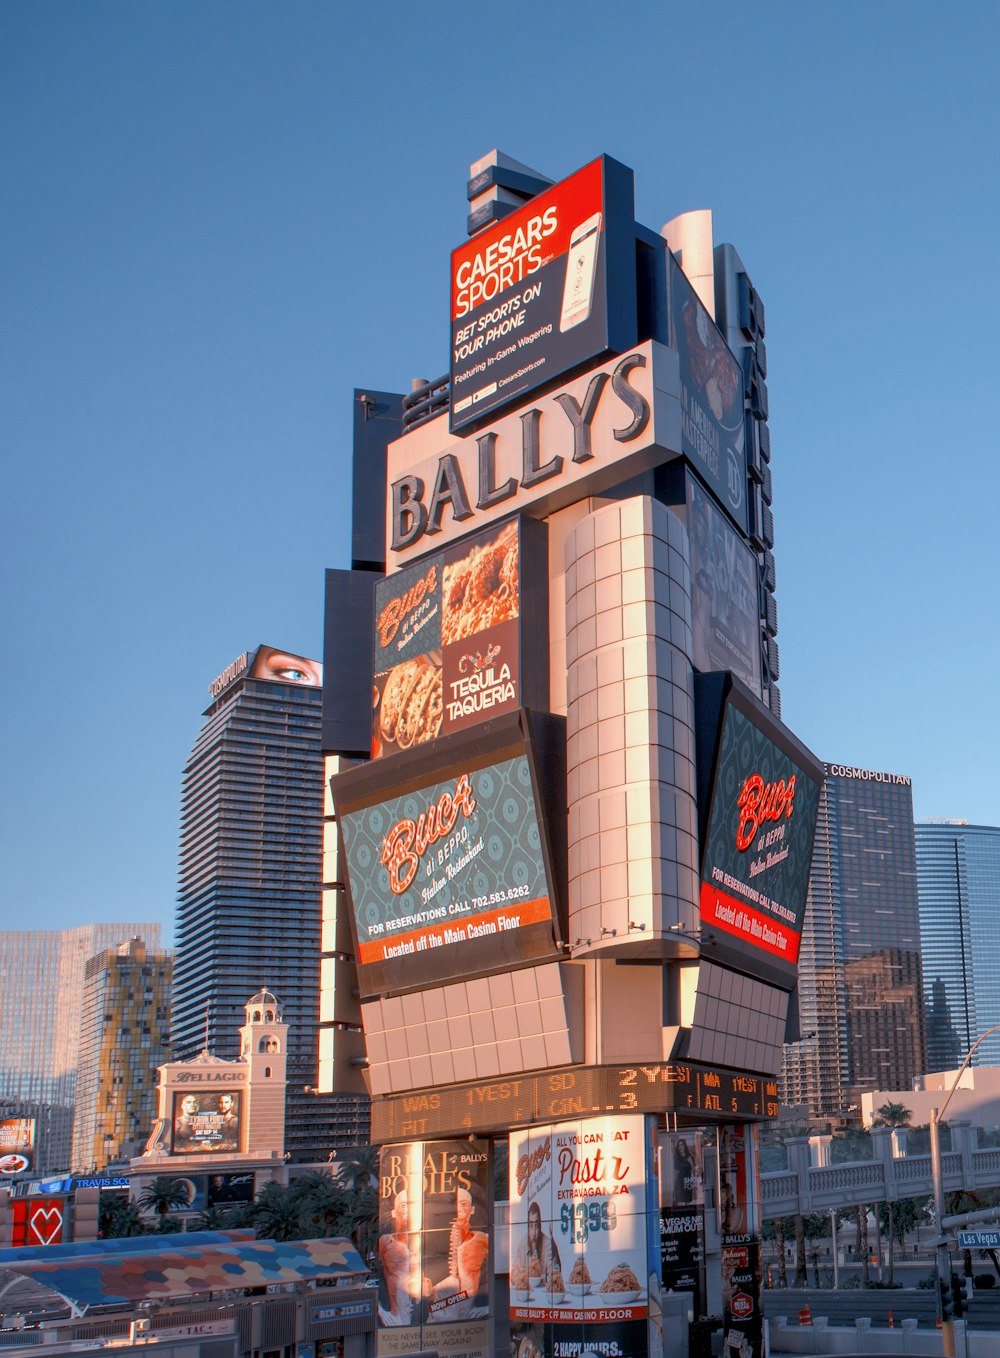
779	1236
323	1204
118	1218
358	1167
162	1195
276	1214
892	1115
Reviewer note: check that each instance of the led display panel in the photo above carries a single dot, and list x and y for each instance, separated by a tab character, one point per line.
17	1146
725	621
762	800
545	289
583	1227
205	1122
450	870
712	424
456	640
229	1188
435	1201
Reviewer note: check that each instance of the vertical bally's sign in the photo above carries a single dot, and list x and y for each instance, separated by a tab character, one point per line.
543	291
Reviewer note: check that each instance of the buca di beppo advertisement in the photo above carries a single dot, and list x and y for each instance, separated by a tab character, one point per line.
451	876
758	848
447	642
584	1222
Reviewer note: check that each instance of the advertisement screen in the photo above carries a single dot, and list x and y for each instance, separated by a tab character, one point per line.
37	1222
584	1224
206	1122
725	621
230	1188
451	875
280	667
758	842
17	1146
448	639
543	290
712	423
435	1214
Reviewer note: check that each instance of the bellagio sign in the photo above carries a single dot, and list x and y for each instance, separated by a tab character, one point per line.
616	420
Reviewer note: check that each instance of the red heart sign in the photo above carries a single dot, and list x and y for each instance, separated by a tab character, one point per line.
45	1225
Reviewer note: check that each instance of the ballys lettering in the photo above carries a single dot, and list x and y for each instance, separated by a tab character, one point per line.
397	609
408	841
760	801
415	513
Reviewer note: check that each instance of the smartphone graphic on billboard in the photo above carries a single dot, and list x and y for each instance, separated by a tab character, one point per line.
581	272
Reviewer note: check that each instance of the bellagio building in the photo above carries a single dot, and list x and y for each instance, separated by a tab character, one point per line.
248	911
860	982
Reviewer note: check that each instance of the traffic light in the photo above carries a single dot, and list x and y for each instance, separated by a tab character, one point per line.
944	1296
957	1296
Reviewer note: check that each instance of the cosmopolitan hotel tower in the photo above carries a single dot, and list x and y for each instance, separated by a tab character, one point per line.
958	878
248	910
860	988
568	837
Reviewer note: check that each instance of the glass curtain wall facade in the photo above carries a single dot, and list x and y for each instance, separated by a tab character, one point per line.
124	1039
41	1004
249	900
958	875
860	980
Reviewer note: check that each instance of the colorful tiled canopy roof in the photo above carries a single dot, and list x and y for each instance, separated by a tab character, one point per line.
161	1274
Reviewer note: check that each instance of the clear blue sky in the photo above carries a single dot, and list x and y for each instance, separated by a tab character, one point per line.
219	218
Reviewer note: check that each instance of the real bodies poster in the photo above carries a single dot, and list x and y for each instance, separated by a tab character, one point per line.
435	1217
583	1237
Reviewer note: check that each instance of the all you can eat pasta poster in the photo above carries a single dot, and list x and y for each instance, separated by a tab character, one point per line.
584	1207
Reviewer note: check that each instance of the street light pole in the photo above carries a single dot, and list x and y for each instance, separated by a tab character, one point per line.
943	1256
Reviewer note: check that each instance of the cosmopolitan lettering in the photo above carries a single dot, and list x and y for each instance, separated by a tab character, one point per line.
408	840
760	801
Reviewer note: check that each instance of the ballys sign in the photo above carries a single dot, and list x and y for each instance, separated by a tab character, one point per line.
614	421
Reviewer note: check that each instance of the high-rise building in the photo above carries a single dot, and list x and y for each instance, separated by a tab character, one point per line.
958	878
860	990
249	906
124	1039
41	1003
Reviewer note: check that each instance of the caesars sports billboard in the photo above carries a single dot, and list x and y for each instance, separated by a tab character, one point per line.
544	290
449	869
457	640
206	1122
764	796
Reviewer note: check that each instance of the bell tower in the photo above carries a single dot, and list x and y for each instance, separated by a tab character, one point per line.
264	1049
